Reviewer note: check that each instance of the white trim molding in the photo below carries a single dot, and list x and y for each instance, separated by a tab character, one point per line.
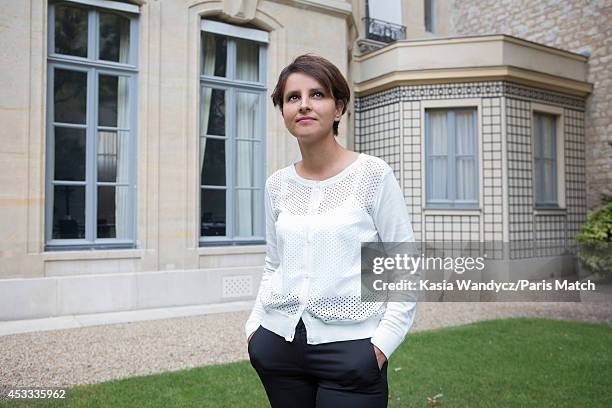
109	4
331	6
230	30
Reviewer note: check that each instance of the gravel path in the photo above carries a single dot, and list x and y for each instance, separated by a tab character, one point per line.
95	354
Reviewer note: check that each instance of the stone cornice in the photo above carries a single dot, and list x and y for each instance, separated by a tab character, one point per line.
475	58
473	39
471	74
328	6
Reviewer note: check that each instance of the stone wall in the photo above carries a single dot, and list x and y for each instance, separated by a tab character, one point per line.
578	26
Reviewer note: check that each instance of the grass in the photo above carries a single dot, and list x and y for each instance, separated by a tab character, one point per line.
499	363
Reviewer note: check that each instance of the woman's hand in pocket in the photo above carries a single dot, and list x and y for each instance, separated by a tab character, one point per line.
380	357
249	339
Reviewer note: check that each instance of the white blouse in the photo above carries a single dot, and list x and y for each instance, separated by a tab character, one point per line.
314	231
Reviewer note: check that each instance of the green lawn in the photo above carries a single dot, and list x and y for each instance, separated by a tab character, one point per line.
500	363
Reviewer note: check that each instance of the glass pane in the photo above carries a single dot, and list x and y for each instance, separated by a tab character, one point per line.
113	106
386	10
548	133
428	16
68	212
213	111
466	179
550	181
113	212
438	133
214	55
114	37
248	213
438	178
465	133
70	96
212	161
212	212
247	60
71	31
537	137
248	157
538	176
112	156
69	158
246	115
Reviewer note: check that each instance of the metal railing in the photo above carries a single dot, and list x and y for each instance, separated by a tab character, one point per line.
383	30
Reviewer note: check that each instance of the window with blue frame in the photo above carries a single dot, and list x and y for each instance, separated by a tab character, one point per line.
232	128
91	125
451	156
545	159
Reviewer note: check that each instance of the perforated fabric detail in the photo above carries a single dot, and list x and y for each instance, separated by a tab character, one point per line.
345	309
372	174
280	295
319	243
337	194
273	184
296	197
286	303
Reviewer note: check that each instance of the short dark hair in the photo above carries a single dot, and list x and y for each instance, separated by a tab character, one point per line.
326	73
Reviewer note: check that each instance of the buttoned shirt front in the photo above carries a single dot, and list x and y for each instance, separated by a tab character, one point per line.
314	231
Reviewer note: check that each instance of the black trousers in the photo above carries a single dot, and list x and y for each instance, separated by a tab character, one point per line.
331	375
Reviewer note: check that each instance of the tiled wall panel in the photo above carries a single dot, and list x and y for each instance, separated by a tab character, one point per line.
378	128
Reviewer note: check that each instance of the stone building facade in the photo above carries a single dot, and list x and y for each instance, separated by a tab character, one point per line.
196	76
179	242
583	27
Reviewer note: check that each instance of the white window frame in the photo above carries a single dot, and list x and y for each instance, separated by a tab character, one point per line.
93	67
109	4
231	86
228	30
468	103
560	152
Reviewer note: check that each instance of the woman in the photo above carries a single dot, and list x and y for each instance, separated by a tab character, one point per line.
311	339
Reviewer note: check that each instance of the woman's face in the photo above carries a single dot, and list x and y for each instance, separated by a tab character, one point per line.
309	110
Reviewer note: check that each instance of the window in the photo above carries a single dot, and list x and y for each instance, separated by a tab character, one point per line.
545	159
385	10
91	126
232	127
451	158
430	14
383	21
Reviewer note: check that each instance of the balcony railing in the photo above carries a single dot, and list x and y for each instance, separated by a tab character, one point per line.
383	30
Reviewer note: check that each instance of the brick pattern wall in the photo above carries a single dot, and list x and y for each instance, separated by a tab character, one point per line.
574	25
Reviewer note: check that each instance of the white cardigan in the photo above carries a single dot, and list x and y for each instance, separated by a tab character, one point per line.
312	271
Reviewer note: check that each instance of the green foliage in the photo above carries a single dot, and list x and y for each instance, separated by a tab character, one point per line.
595	240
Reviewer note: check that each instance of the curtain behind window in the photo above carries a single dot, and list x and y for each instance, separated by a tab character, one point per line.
113	152
452	172
248	204
122	193
545	158
465	156
438	147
